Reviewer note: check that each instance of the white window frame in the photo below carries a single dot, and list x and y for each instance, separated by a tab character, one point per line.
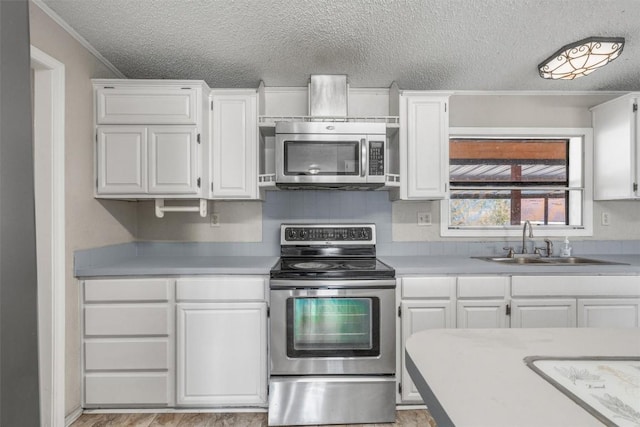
586	134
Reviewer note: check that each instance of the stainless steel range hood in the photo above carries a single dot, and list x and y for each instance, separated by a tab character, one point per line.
328	95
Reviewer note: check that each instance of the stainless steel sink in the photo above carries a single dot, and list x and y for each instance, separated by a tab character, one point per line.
574	260
538	260
515	260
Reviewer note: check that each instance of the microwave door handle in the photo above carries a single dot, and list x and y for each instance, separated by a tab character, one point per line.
363	157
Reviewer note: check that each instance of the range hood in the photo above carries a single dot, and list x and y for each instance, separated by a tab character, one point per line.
328	95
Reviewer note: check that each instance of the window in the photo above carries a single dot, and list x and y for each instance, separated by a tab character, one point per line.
500	178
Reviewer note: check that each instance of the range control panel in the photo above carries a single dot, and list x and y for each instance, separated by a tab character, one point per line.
323	234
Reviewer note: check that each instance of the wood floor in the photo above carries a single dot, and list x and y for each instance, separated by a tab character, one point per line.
408	418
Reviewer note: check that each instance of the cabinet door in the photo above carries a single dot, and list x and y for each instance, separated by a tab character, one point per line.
608	313
235	145
121	160
221	354
615	132
543	313
425	145
146	105
173	154
635	145
482	314
418	316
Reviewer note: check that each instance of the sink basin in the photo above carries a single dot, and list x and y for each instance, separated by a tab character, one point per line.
518	260
538	260
578	260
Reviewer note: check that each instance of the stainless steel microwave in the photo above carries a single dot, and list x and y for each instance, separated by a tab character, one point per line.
330	155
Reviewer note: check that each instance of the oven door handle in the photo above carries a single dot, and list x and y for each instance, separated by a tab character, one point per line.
363	158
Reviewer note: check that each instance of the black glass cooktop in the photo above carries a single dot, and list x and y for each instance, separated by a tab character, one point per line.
337	268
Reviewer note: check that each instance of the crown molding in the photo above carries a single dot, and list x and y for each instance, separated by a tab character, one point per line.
73	33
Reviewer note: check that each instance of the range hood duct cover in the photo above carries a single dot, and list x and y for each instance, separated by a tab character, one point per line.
328	95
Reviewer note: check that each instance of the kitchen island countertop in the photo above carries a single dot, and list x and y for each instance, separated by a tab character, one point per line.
478	377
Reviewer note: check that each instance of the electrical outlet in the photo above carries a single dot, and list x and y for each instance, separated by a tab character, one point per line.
424	218
215	219
605	219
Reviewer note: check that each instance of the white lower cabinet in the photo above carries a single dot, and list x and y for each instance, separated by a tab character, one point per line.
608	312
543	313
482	302
427	303
222	350
221	330
482	314
128	343
570	301
190	342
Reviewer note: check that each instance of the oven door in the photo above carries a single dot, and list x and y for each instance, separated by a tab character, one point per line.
333	331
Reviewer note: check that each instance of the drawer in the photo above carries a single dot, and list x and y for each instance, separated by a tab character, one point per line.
606	286
130	319
483	287
146	106
428	287
221	288
120	355
143	388
127	290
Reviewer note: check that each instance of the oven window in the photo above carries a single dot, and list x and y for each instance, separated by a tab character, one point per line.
321	158
333	327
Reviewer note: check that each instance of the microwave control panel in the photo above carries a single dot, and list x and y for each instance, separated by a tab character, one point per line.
376	158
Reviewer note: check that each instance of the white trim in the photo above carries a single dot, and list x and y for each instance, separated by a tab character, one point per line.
73	417
73	33
55	82
586	134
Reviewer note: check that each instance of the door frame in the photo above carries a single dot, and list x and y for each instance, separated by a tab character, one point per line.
49	127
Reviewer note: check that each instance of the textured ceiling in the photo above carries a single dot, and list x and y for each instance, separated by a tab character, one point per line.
420	44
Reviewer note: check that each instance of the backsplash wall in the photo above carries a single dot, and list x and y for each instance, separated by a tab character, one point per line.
252	228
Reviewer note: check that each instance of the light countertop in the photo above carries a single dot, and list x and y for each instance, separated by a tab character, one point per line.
459	264
181	265
477	377
154	265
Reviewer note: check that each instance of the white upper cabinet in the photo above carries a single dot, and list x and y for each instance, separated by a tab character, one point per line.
173	156
616	125
424	146
148	138
234	154
143	103
145	161
122	159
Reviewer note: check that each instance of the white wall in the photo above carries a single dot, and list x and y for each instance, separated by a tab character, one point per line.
89	222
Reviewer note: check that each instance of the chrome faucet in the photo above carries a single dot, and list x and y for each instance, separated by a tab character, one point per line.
524	235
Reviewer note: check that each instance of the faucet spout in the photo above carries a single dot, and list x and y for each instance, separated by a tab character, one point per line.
524	235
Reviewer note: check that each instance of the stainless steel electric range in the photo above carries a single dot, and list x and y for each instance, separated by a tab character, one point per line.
332	332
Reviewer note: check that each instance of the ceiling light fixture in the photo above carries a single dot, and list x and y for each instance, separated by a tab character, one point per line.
581	58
